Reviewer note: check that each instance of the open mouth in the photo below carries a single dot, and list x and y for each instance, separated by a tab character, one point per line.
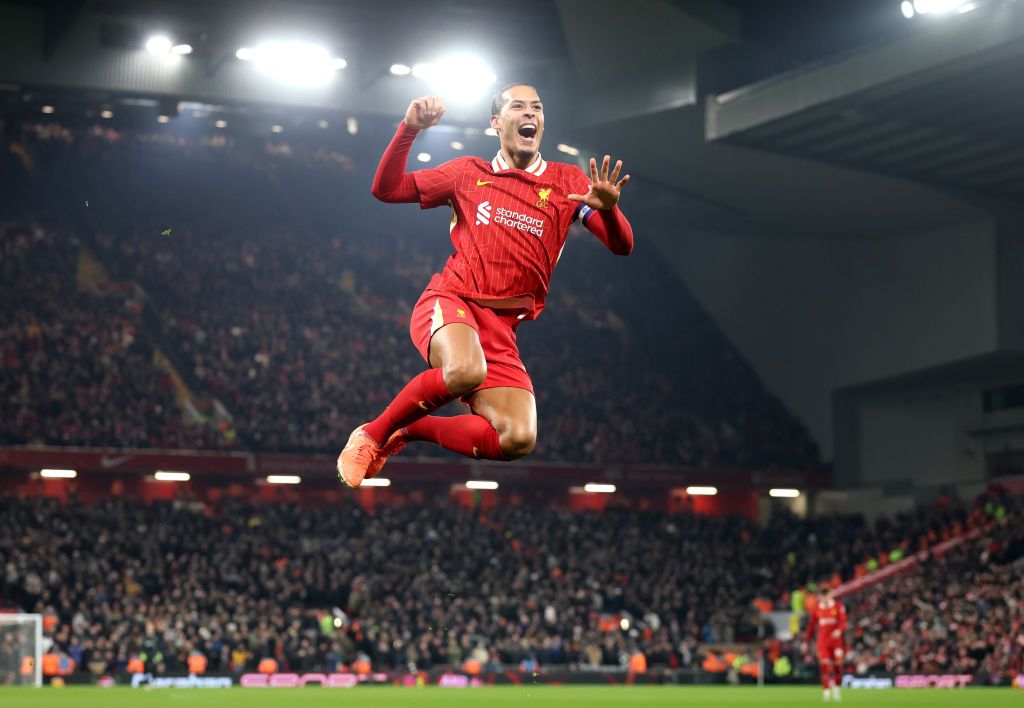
528	133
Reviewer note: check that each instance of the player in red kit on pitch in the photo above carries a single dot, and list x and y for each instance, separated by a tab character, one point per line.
828	618
510	219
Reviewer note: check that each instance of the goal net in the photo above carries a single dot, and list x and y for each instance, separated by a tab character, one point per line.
21	650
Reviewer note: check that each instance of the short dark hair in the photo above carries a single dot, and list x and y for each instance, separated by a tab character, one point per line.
496	102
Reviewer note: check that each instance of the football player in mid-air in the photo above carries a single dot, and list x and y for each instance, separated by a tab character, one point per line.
510	219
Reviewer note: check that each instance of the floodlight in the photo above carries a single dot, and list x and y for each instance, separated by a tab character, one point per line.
47	110
491	131
702	491
283	479
568	149
907	8
276	129
784	493
181	49
167	476
461	77
58	474
376	482
297	63
352	126
106	113
158	44
456	145
423	157
595	488
938	7
163	119
481	484
401	69
324	124
220	123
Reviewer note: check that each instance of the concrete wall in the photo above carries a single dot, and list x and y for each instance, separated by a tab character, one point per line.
813	315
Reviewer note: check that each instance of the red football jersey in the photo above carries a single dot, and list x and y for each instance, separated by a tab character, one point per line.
830	623
508	226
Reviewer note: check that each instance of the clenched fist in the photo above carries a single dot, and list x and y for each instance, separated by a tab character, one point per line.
424	112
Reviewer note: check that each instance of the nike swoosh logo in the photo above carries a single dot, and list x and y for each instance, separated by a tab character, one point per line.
108	462
481	183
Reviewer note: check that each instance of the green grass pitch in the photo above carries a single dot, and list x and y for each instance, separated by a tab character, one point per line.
498	697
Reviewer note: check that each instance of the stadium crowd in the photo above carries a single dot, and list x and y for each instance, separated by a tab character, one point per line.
280	289
961	613
74	368
422	586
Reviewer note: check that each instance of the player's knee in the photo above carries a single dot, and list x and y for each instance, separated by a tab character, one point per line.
464	376
518	441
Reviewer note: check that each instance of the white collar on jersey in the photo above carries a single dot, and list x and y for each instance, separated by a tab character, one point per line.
535	168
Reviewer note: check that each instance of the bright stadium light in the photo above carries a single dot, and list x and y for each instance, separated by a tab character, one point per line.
283	479
461	77
158	44
352	126
595	488
324	124
58	474
456	145
702	491
181	49
783	493
163	119
297	63
491	131
940	7
480	484
423	157
568	149
276	128
106	113
400	69
168	476
907	8
376	482
220	124
47	110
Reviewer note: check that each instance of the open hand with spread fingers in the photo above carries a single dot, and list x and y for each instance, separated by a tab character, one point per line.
604	189
424	112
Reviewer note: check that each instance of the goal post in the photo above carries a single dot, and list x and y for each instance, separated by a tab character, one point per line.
21	650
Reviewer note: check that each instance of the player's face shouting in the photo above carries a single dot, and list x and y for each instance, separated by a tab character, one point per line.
520	124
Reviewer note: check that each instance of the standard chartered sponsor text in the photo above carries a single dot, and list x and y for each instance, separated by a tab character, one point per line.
523	222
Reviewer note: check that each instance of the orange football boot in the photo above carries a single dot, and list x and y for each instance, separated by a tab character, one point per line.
360	454
395	444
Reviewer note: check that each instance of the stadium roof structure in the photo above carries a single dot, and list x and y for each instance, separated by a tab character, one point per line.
943	106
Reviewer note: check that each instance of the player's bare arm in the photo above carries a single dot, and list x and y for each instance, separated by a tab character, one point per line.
605	188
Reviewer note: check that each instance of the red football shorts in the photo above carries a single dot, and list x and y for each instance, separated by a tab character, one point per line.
832	652
496	328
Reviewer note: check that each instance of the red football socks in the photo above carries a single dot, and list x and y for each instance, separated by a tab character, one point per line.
469	435
421	396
